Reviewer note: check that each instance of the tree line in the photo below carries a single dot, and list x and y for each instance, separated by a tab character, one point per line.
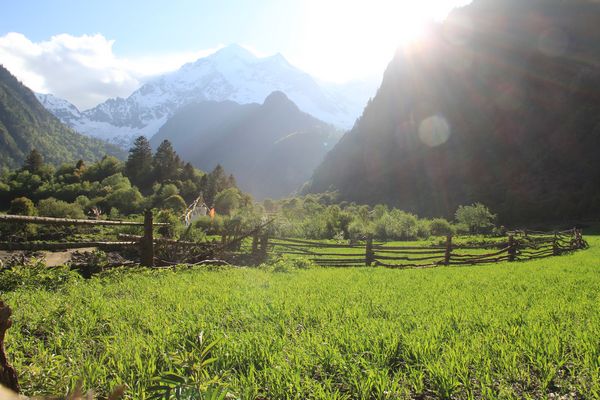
163	181
110	186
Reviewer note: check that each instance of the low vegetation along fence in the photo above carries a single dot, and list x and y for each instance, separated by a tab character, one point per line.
255	246
517	246
236	246
145	243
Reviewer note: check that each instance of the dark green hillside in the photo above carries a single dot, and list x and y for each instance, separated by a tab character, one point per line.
25	124
272	148
500	104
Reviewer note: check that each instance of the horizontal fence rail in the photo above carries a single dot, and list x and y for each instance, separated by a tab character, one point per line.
52	246
256	245
516	246
68	221
145	243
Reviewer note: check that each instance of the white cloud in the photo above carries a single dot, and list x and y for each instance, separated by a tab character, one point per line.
83	69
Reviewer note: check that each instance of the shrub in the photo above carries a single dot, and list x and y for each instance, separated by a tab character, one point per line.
19	206
60	209
163	192
440	227
22	206
477	217
423	229
116	181
227	201
314	227
83	201
175	225
358	229
127	201
176	203
210	226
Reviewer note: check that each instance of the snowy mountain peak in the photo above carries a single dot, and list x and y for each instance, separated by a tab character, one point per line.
233	51
61	108
232	73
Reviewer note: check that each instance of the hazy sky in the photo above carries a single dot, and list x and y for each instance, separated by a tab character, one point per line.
88	50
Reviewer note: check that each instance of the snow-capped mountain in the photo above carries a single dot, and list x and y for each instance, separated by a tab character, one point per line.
232	73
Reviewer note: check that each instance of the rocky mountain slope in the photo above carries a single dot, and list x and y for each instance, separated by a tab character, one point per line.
500	104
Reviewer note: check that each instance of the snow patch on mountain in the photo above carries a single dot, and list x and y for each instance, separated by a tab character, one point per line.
232	73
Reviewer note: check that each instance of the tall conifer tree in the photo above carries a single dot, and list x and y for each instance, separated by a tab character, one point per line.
138	167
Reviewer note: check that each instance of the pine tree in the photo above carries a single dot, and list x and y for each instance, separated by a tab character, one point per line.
188	172
231	183
165	162
217	181
138	167
79	170
34	162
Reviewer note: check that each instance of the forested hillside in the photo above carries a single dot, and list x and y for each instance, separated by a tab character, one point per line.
25	125
270	148
499	104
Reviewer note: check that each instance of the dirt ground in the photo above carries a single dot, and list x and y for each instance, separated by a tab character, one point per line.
52	258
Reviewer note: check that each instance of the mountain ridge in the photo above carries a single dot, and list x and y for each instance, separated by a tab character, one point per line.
231	73
496	105
271	148
25	124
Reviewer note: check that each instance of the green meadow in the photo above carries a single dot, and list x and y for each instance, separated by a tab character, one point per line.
291	331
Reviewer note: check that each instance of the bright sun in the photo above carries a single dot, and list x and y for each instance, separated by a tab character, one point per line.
355	35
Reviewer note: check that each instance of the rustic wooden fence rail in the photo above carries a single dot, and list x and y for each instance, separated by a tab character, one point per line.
145	242
516	246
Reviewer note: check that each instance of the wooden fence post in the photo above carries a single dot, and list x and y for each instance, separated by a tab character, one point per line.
512	248
264	242
555	249
255	244
369	255
448	251
147	242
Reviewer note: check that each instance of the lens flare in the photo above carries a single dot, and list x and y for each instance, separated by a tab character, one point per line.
434	130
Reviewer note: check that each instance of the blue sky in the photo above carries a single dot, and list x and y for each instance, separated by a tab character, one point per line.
146	27
89	50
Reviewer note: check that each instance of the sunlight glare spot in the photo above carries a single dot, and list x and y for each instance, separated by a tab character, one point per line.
434	130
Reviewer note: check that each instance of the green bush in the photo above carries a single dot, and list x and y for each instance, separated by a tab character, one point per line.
60	209
176	203
175	224
17	231
476	216
358	229
227	201
126	200
22	206
423	229
440	227
210	226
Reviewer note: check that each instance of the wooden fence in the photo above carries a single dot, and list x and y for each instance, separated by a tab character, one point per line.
516	246
145	242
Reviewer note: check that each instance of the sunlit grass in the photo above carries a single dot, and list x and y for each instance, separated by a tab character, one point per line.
509	330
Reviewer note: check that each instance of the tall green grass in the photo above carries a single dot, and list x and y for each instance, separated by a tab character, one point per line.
498	331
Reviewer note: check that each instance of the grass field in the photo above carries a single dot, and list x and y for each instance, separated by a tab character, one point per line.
498	331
